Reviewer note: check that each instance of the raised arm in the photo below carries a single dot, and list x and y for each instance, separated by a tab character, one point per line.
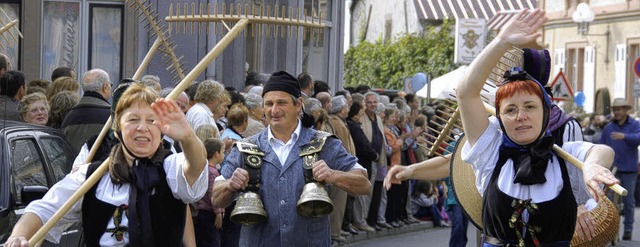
172	122
521	30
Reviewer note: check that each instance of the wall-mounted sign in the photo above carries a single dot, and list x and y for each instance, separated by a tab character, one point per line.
470	39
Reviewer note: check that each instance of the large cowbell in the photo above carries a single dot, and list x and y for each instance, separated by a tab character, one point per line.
314	200
249	209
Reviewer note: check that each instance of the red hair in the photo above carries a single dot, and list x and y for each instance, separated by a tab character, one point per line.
511	88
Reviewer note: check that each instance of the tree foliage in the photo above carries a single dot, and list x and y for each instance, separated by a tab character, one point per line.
386	64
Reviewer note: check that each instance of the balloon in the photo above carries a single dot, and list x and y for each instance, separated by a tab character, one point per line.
418	81
579	98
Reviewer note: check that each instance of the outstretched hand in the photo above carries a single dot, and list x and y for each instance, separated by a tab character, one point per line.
171	120
396	175
522	28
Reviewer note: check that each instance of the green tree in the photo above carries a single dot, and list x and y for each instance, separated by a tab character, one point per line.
386	64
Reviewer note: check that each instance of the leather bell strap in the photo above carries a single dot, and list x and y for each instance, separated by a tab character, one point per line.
253	164
307	164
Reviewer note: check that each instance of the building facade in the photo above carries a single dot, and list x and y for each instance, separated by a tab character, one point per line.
110	34
601	58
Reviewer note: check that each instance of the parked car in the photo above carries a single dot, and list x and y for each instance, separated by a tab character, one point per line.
32	159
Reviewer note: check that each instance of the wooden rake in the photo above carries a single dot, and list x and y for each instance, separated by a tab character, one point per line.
143	8
241	23
7	28
265	20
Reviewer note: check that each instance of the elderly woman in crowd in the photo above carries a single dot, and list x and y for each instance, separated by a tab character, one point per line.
141	201
34	109
526	187
256	114
313	107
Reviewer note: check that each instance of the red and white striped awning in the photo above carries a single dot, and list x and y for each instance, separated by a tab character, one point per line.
465	9
500	19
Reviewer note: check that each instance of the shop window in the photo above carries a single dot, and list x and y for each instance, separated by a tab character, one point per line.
82	35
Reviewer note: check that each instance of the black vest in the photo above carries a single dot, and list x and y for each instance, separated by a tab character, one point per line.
167	215
554	220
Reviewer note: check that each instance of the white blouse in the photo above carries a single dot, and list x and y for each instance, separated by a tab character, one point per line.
484	155
112	194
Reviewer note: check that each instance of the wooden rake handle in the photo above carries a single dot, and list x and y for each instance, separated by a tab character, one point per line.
563	154
95	177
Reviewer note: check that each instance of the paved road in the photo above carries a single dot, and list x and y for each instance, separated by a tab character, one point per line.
438	237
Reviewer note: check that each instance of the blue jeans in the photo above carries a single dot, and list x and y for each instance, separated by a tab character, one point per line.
431	211
459	223
628	181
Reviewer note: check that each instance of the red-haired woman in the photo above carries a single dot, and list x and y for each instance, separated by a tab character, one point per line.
527	193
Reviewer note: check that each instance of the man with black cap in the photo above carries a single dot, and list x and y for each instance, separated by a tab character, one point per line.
281	172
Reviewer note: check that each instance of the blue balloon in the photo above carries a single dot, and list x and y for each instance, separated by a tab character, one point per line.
579	98
418	81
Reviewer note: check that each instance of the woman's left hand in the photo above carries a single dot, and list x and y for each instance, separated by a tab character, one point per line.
171	120
594	175
584	224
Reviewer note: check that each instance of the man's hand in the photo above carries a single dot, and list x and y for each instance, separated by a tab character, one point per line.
239	179
322	172
617	135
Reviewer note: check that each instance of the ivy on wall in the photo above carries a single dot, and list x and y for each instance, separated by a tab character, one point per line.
385	64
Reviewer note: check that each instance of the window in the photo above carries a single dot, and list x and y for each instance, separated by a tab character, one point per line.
11	45
106	38
27	168
315	50
59	156
61	36
575	65
633	52
620	66
82	35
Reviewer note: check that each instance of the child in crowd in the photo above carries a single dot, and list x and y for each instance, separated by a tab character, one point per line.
423	202
208	220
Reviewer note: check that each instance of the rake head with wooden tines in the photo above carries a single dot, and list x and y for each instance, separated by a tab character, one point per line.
173	63
444	121
269	21
8	28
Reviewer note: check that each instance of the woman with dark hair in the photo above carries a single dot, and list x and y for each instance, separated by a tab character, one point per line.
366	155
423	202
526	187
141	200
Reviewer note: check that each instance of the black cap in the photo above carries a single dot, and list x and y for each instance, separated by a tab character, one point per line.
282	81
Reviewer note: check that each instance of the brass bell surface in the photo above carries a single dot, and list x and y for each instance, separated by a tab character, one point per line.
314	201
249	209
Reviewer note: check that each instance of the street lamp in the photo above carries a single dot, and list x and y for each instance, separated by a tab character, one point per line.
583	16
